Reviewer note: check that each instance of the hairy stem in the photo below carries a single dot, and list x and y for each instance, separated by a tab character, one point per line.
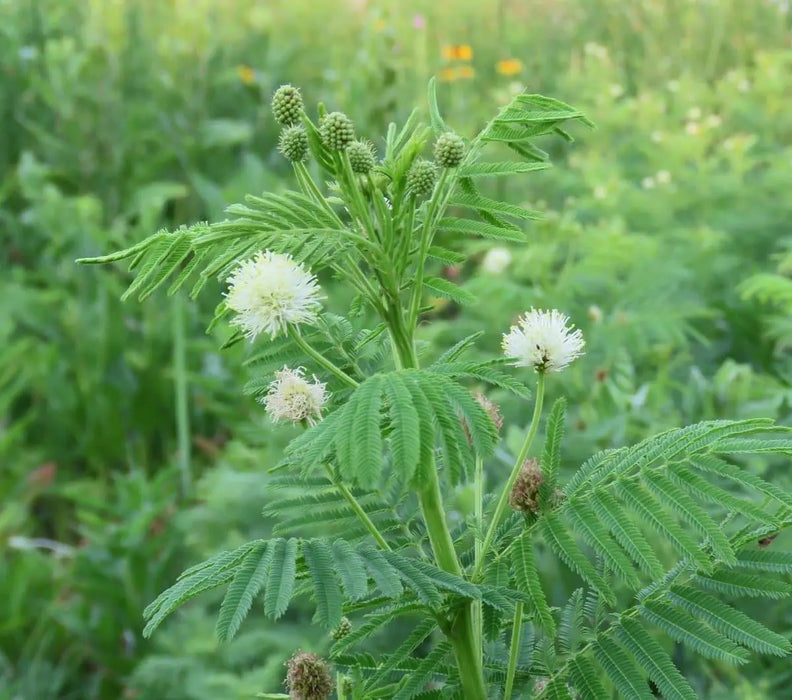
503	501
322	360
514	651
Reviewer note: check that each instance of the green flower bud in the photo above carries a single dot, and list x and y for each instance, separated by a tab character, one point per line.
343	629
337	131
293	144
308	677
449	150
287	105
361	157
421	178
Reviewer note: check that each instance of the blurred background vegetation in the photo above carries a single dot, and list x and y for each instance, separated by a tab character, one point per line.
128	449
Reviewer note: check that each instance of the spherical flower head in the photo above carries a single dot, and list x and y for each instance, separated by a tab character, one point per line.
524	495
337	131
496	260
292	397
293	144
271	291
343	629
421	178
308	677
543	340
449	150
361	157
287	105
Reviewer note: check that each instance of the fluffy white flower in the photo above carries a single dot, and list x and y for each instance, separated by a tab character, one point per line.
663	177
543	340
271	291
648	183
292	397
496	260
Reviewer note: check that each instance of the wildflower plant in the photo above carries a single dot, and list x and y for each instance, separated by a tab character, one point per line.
662	535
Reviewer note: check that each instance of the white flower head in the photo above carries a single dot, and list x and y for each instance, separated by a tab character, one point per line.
663	177
648	183
292	397
271	291
496	260
543	340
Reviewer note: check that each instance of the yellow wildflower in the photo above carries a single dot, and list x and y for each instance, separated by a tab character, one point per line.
379	25
457	52
246	75
449	74
509	66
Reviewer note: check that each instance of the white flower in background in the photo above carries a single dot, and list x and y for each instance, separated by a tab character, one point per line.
600	192
663	177
648	183
694	114
692	128
271	291
292	397
594	49
714	121
595	313
496	260
673	85
744	86
656	136
543	340
616	90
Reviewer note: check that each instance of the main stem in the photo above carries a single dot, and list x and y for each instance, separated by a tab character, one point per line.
462	632
503	501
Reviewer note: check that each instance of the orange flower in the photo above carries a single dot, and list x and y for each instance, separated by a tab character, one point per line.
457	52
509	66
246	75
449	74
466	72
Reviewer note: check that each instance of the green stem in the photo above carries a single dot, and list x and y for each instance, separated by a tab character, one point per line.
427	233
514	651
180	391
503	502
355	505
462	633
340	694
322	360
478	620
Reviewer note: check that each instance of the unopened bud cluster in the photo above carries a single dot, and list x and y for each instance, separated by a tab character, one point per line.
449	150
337	131
293	144
343	629
421	178
361	157
287	105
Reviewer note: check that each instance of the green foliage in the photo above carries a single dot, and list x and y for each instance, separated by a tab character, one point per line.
133	118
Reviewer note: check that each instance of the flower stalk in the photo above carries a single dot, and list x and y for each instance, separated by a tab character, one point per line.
503	501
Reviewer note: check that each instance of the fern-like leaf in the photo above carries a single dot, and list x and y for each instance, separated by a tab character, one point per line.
319	559
248	581
526	578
